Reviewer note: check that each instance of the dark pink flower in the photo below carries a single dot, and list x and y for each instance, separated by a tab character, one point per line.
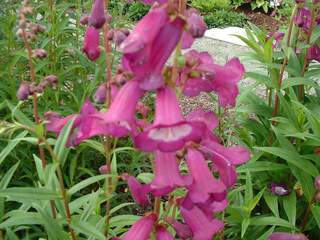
209	118
170	131
141	230
182	230
196	25
147	48
163	234
119	120
225	159
226	80
97	16
286	236
204	183
314	53
167	174
91	44
101	94
303	18
202	227
138	191
277	37
104	169
317	182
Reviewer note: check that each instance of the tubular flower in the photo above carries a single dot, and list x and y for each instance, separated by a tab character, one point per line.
277	37
141	230
170	131
24	91
147	48
202	227
303	18
138	191
97	17
280	189
119	120
163	234
167	172
91	44
204	183
314	53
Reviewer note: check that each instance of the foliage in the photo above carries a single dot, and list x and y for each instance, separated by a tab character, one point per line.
225	18
208	6
137	10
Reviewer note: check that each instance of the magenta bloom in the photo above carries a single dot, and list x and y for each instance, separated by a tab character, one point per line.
163	234
202	227
167	174
317	182
85	125
198	73
97	16
138	191
150	2
225	160
91	44
101	94
303	18
119	120
182	230
209	118
147	48
314	53
141	230
277	37
170	131
204	183
225	82
287	236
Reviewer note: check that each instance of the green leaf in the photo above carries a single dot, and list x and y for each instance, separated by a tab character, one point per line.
145	177
22	218
266	234
293	158
316	214
244	226
289	204
60	150
7	177
20	116
272	202
85	183
87	229
294	81
273	221
248	194
261	166
11	145
39	168
20	194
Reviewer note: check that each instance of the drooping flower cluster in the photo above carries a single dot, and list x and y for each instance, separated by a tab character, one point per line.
174	139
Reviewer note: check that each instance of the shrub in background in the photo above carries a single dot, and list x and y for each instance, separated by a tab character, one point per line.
225	18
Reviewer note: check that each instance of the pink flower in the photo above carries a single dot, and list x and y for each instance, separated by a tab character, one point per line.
303	18
97	16
314	53
225	159
119	120
204	183
138	191
198	73
170	131
102	93
225	81
91	44
167	174
277	37
163	234
182	230
202	227
147	48
209	118
150	2
286	236
141	230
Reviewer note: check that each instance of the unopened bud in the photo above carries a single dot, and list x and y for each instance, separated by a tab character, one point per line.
23	91
22	23
108	18
110	35
52	80
119	37
101	94
84	20
125	31
196	24
97	16
317	182
40	53
104	169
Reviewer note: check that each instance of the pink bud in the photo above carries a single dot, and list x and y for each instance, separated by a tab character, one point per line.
101	94
91	44
97	17
197	26
40	53
84	20
23	91
317	182
104	169
52	80
119	37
